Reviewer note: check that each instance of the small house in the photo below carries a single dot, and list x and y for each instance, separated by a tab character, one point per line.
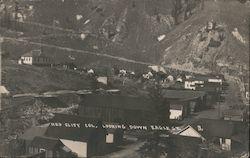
92	140
27	137
35	57
188	100
201	80
50	147
229	135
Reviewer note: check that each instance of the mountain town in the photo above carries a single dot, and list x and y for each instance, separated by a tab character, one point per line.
124	78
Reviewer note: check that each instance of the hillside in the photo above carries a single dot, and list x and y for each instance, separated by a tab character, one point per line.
139	30
226	45
125	28
30	79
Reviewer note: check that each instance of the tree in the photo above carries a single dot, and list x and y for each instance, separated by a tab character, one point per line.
161	105
176	10
6	21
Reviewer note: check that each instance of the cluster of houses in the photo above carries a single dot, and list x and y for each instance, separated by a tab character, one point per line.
87	132
83	134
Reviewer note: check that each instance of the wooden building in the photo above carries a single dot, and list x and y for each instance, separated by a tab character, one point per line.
117	108
184	102
35	57
228	135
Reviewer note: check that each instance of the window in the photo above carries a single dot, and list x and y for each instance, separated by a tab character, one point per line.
109	138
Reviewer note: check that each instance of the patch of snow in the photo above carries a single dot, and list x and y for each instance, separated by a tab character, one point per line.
103	80
123	72
3	90
179	80
87	21
238	36
82	36
79	17
170	78
71	57
161	37
95	47
157	68
132	73
31	7
91	71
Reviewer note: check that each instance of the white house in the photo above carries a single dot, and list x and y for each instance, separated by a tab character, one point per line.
35	57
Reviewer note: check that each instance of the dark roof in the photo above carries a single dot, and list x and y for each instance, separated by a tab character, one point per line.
31	133
182	94
53	102
74	133
218	128
33	53
118	101
45	142
208	89
66	118
176	106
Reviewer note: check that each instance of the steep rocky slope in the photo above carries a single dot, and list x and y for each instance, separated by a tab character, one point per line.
227	44
164	31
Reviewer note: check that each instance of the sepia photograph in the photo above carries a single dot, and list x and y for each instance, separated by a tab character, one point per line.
124	78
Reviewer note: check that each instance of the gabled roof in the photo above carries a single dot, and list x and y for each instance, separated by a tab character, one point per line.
75	133
210	128
47	143
182	94
118	101
33	53
31	133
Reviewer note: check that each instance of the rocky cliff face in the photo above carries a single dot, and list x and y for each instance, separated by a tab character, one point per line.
212	38
128	28
171	32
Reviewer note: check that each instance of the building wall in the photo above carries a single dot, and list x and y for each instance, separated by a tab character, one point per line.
234	118
225	144
215	81
36	60
27	60
175	114
41	61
